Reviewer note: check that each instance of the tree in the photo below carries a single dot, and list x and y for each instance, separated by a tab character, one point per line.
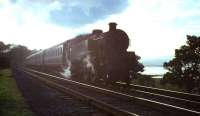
4	55
2	46
184	69
12	54
18	55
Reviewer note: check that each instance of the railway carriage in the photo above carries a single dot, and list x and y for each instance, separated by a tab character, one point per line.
35	60
52	57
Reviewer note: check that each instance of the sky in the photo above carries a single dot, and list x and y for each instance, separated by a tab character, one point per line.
155	27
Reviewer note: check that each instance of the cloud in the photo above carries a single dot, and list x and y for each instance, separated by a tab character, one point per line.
27	23
50	21
71	13
161	26
155	27
78	13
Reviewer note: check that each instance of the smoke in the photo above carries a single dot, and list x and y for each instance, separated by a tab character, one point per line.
89	64
66	71
89	68
87	61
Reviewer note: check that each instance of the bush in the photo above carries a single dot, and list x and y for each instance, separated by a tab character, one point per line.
145	80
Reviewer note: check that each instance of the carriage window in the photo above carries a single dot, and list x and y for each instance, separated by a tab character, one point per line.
58	52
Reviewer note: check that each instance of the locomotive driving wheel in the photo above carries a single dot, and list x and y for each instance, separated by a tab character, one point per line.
110	79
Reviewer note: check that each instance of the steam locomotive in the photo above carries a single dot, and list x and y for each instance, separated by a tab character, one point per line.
91	57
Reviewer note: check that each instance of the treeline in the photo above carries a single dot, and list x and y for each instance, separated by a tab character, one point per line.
12	55
184	68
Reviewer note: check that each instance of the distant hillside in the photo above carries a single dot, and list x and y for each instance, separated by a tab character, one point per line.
156	61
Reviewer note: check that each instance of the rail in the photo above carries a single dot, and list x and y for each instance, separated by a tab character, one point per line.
99	104
157	105
181	95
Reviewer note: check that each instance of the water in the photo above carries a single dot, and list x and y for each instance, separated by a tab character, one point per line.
154	70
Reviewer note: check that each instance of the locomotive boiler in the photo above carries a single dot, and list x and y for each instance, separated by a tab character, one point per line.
91	57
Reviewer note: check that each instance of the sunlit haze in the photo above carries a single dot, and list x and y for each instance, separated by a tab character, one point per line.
155	27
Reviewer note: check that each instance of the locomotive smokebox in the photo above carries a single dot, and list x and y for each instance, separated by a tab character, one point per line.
112	26
97	31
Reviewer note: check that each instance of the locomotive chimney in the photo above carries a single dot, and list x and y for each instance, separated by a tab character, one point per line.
112	26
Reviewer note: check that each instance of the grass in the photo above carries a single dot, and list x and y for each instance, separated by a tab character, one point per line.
11	101
147	80
167	86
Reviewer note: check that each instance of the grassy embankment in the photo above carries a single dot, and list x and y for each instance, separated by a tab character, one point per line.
147	80
11	101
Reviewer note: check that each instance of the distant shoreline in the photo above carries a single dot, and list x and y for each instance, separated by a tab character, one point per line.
154	71
153	65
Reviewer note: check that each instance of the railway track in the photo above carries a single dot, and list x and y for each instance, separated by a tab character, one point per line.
108	109
161	95
179	99
116	103
180	95
45	101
